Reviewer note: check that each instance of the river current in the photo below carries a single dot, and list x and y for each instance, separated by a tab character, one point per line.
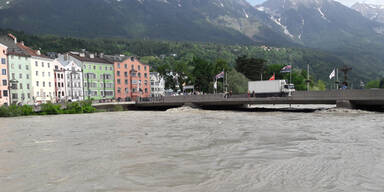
193	150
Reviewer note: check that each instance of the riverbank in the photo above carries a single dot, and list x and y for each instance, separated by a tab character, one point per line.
47	109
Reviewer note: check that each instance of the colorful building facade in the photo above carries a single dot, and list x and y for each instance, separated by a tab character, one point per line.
98	75
4	92
132	79
19	72
157	85
60	87
42	76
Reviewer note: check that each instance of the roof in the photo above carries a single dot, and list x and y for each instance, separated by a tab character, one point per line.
30	51
86	58
13	49
121	58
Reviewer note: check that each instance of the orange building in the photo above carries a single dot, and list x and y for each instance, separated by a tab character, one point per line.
132	79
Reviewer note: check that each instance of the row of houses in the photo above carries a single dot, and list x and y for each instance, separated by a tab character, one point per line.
30	77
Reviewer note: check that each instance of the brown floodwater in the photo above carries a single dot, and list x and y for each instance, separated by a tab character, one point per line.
193	150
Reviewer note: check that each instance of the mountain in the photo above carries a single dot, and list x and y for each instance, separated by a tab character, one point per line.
330	26
320	23
224	21
373	12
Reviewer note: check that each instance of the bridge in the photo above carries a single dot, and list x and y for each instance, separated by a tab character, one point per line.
357	99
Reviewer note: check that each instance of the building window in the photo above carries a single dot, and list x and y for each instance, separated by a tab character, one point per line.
49	74
119	90
145	68
146	90
27	67
3	61
145	75
94	67
118	81
5	83
20	75
126	90
36	64
50	84
126	81
37	83
100	68
126	74
125	66
27	76
12	66
43	74
132	67
139	74
21	86
138	67
5	93
13	76
145	82
20	67
29	95
27	86
118	65
4	72
43	83
118	73
111	68
37	73
48	65
14	96
42	64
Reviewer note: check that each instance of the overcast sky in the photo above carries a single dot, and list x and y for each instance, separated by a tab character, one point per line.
345	2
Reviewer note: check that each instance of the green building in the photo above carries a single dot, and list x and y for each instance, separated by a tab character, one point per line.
19	72
98	75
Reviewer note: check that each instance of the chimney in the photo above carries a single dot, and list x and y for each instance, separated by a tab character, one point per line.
66	56
38	52
22	43
92	56
12	37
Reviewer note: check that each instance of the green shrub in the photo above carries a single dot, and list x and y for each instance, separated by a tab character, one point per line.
51	109
87	106
73	108
15	110
4	111
27	110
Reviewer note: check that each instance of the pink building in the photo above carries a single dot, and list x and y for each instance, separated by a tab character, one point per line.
4	95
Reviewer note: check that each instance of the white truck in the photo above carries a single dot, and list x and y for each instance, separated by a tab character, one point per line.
271	88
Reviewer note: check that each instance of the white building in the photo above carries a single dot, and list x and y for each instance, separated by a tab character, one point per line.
157	85
60	88
74	82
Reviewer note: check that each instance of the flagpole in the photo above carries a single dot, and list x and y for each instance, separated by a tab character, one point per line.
226	82
337	78
290	74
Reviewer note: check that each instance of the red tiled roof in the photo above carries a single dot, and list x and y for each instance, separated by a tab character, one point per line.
30	51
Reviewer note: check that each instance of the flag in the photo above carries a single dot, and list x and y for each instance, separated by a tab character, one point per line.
286	69
273	77
220	75
332	75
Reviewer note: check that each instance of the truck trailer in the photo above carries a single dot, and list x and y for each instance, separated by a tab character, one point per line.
270	88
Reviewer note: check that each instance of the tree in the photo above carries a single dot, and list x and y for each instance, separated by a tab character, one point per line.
203	74
252	68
